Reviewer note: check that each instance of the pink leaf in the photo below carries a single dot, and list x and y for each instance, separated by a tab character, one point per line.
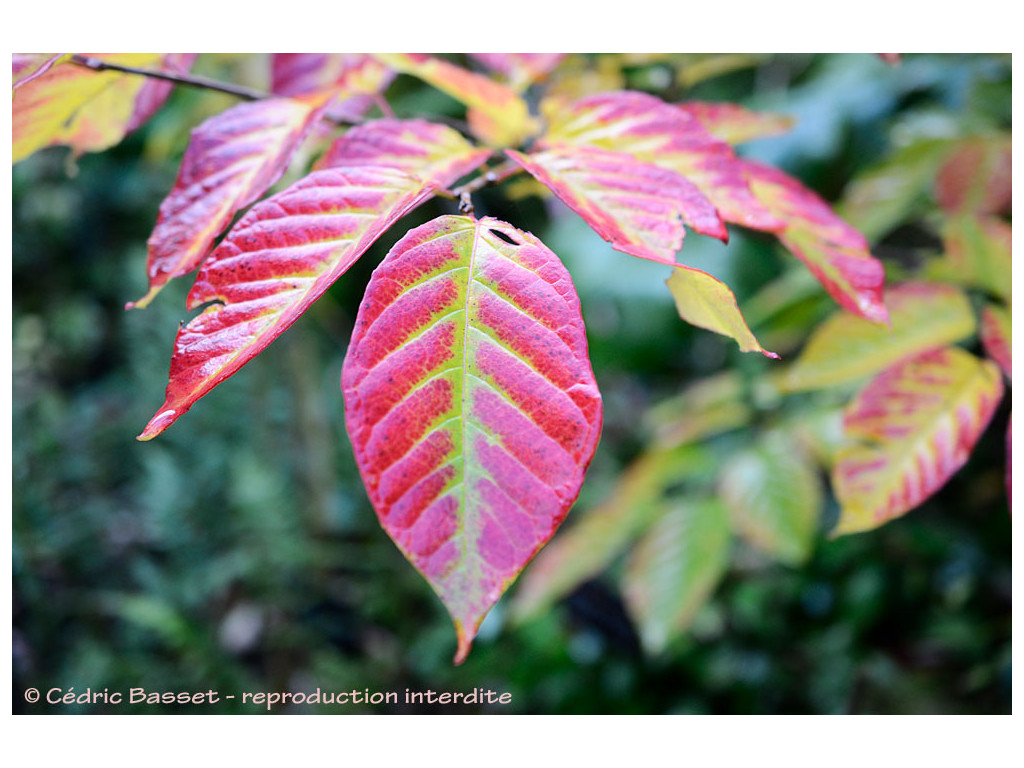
471	405
520	69
154	92
977	177
231	160
282	255
659	133
637	207
918	422
736	124
996	335
836	253
361	77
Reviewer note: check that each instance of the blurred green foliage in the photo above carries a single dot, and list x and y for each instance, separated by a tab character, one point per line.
239	551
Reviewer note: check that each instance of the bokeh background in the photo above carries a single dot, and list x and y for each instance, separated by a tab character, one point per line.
239	552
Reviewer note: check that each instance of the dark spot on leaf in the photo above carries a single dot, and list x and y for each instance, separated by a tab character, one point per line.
503	236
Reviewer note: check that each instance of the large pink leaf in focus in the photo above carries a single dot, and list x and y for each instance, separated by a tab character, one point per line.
637	207
662	134
361	77
917	423
231	160
836	253
471	405
283	254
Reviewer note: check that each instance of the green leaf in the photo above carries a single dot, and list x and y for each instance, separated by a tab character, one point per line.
774	498
845	347
707	407
978	254
882	196
705	301
602	533
674	569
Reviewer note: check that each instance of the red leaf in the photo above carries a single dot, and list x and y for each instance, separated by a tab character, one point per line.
471	405
281	256
297	74
635	206
231	160
659	133
836	253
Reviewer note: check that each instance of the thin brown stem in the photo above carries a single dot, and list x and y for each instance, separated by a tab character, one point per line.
195	81
494	176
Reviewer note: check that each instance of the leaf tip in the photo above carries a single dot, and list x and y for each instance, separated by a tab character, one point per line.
465	643
158	424
145	300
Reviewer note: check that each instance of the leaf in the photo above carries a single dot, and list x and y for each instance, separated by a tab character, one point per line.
359	76
471	405
978	253
659	133
846	347
26	67
283	254
708	407
600	534
497	114
231	160
520	69
918	422
996	335
884	195
836	253
637	207
415	147
735	124
774	498
674	570
704	301
977	177
154	91
58	102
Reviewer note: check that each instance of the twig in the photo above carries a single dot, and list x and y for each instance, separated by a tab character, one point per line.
196	81
497	174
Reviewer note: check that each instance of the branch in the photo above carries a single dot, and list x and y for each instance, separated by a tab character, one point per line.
196	81
497	174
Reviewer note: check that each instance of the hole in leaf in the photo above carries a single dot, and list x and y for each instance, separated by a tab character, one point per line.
503	236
